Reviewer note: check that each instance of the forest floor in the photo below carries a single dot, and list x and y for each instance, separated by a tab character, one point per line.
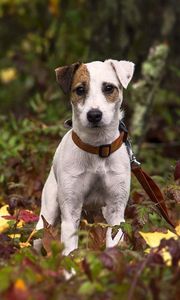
146	265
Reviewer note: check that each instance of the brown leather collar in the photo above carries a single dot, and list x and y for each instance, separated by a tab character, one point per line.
103	150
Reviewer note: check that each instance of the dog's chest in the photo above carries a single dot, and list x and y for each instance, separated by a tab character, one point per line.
96	188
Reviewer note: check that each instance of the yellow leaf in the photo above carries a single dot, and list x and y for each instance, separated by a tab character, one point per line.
8	75
24	245
14	235
166	257
4	211
20	224
153	239
4	225
20	285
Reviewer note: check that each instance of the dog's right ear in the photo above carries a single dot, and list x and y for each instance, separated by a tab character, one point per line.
64	76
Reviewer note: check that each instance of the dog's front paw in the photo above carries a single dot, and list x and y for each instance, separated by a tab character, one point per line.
68	275
110	241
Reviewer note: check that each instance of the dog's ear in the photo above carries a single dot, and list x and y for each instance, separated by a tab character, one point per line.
124	70
64	76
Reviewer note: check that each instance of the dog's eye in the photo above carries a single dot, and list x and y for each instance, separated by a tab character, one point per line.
80	90
108	88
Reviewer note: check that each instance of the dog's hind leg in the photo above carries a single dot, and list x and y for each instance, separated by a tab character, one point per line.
49	205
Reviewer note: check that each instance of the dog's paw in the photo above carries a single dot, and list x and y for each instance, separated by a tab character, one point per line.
68	275
110	241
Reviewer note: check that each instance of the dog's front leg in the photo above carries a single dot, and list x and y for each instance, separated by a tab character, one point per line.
114	215
70	217
49	206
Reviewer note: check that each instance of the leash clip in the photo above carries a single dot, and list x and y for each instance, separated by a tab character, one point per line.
134	162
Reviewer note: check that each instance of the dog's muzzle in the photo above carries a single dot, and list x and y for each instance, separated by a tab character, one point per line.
94	116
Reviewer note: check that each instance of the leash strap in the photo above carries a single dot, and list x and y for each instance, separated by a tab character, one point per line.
148	184
152	190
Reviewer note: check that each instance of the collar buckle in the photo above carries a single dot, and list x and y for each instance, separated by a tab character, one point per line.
105	150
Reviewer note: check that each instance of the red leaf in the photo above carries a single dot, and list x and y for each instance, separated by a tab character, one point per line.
27	216
24	215
9	217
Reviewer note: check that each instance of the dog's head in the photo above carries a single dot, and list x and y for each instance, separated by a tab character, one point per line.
96	89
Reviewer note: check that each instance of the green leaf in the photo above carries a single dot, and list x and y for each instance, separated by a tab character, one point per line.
127	228
5	278
142	214
89	288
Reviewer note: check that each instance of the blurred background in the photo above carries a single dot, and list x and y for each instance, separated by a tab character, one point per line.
38	36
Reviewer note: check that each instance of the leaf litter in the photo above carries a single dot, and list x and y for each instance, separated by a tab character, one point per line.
146	265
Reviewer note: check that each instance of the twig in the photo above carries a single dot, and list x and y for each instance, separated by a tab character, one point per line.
136	277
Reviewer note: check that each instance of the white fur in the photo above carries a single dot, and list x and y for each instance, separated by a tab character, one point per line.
124	69
78	178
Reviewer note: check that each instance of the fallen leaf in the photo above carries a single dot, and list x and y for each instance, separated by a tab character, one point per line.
4	223
173	247
14	235
24	216
153	239
4	211
20	224
27	216
24	245
50	234
96	233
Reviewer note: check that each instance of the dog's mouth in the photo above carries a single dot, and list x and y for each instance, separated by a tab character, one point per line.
95	125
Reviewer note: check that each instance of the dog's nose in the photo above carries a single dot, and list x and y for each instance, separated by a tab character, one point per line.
94	115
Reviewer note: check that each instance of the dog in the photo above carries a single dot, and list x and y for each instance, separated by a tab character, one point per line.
78	178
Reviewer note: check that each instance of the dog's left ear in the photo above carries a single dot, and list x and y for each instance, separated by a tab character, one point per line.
64	76
124	70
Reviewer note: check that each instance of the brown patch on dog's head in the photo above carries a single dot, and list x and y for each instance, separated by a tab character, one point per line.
110	91
80	84
64	76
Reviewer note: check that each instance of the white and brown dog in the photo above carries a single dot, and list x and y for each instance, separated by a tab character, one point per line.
79	178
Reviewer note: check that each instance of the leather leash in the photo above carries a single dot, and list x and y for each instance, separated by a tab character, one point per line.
152	190
148	184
